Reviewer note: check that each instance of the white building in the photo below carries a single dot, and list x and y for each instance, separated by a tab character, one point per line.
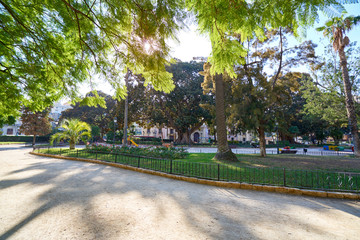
12	130
55	112
202	135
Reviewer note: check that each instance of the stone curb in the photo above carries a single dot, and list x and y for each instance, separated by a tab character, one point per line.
247	186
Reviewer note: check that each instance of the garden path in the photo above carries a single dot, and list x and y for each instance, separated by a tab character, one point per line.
44	198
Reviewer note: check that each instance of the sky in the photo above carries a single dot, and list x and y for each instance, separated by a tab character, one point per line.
192	44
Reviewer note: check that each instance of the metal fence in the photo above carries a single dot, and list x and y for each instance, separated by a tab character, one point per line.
274	152
318	180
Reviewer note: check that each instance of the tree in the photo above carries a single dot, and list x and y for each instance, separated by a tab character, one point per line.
216	85
35	123
324	93
47	47
93	115
262	92
230	23
180	109
336	28
73	130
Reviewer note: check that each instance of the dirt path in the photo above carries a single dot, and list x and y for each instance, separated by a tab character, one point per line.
42	198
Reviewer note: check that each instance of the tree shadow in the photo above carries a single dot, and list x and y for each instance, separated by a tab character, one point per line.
216	213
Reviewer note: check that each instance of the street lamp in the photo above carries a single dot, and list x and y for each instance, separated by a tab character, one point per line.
277	138
115	119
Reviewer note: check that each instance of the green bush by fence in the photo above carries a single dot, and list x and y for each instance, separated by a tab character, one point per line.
23	139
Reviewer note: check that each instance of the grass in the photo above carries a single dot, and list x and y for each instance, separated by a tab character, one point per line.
288	161
279	170
6	143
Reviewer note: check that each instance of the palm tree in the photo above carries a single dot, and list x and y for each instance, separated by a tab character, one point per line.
336	28
74	130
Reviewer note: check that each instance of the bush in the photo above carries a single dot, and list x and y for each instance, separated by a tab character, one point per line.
23	138
158	152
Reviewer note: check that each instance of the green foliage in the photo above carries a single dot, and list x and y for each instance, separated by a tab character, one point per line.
48	47
261	95
72	130
180	109
158	152
324	94
23	139
231	23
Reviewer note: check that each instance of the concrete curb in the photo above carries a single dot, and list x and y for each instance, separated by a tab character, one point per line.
247	186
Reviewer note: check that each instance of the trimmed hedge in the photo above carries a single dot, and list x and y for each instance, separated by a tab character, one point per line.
24	138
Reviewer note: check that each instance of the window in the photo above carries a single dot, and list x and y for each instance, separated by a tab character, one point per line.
9	131
171	131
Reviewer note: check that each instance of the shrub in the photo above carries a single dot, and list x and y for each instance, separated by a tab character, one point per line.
158	152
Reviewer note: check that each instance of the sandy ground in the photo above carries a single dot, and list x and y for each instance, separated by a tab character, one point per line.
43	198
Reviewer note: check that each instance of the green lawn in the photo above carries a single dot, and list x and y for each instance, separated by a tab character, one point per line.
6	143
288	161
281	170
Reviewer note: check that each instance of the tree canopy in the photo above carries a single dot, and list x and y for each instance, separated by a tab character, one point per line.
180	109
48	47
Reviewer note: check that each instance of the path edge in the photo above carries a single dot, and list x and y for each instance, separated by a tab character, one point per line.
247	186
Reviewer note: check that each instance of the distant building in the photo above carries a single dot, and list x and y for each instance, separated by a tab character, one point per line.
199	59
12	130
56	110
55	113
201	135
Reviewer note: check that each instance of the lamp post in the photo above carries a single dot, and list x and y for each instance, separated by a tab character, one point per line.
115	119
277	138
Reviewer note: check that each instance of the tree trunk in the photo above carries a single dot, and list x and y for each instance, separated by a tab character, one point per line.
223	151
350	108
262	144
34	140
126	109
183	138
72	145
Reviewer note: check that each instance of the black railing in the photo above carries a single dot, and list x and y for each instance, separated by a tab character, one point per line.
274	152
305	179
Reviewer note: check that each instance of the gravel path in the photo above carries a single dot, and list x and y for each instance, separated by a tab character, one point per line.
43	198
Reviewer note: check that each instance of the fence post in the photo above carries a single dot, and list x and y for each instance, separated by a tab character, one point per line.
48	149
60	151
138	162
218	167
77	153
171	166
284	177
115	157
96	155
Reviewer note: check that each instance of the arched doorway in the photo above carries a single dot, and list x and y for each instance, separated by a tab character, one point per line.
196	137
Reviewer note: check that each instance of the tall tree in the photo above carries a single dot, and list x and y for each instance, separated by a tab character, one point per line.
230	23
35	123
262	92
180	109
336	29
216	85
